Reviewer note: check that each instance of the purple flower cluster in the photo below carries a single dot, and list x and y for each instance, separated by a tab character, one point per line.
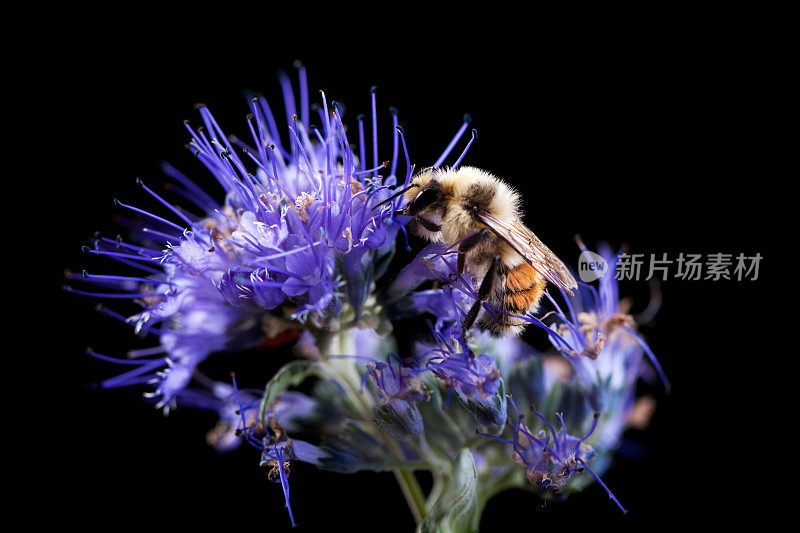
601	359
293	253
551	458
599	338
297	241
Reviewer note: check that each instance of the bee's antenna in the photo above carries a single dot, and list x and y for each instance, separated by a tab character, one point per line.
395	195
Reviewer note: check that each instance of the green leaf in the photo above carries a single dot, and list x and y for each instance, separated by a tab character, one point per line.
290	375
456	510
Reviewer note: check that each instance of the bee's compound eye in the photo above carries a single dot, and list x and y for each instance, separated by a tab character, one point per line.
426	197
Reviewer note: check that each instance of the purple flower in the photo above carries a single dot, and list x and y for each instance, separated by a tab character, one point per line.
599	339
270	437
472	376
397	382
551	457
429	264
599	336
235	408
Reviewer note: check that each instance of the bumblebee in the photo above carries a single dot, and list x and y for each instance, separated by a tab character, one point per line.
479	215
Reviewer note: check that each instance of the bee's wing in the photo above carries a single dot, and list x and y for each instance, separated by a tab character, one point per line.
528	245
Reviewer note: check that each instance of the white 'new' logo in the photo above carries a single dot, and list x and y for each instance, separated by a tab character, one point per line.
591	267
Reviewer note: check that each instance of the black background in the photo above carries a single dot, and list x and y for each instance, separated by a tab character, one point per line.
666	141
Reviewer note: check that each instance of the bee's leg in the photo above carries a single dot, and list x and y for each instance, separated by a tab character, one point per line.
465	246
483	294
428	225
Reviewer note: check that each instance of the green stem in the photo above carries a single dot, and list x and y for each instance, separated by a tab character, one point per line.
413	493
436	491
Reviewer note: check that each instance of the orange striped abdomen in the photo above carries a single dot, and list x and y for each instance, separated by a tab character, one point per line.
524	288
520	292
